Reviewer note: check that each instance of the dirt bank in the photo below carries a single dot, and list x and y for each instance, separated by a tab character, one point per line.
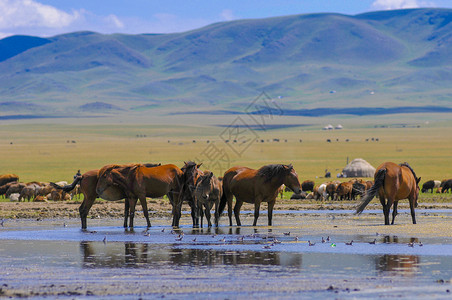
162	208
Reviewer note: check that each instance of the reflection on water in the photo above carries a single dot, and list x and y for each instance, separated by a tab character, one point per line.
127	255
405	265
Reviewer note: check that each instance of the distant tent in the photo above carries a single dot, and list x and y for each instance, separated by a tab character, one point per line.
359	168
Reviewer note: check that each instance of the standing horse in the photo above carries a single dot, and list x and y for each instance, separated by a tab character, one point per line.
208	192
88	182
191	174
139	182
256	186
394	182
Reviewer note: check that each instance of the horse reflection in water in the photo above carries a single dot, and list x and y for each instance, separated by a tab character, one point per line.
404	265
136	255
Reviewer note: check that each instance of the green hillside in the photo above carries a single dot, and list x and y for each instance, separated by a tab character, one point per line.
400	58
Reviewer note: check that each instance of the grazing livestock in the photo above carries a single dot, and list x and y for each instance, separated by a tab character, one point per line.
256	186
5	188
14	188
446	185
393	182
307	186
359	189
4	179
344	191
428	185
331	190
208	192
320	193
29	192
14	197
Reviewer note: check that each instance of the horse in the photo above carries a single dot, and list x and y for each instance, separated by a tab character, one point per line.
191	174
208	191
140	181
256	186
88	182
394	182
446	185
4	179
307	185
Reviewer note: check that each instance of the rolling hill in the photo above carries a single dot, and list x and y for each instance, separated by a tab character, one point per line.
387	59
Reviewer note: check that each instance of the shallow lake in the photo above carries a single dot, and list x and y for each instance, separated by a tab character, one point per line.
55	259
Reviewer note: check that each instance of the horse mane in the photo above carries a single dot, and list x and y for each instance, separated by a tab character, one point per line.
405	164
274	170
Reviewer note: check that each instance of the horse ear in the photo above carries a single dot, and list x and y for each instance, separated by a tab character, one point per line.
211	175
185	163
418	180
199	165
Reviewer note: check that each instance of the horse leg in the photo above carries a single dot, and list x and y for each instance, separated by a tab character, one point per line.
194	216
126	211
257	206
413	215
230	209
84	208
144	205
271	204
208	215
238	205
386	208
217	216
394	211
133	203
201	215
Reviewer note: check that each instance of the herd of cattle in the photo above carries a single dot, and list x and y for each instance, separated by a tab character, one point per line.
11	188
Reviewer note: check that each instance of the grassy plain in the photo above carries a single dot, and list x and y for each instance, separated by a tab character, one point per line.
53	152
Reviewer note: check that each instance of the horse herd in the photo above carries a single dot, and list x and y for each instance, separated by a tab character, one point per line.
202	190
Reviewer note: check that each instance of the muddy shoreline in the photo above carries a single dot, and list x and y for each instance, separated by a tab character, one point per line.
162	208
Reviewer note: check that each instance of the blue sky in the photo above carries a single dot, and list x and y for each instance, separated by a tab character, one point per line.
51	17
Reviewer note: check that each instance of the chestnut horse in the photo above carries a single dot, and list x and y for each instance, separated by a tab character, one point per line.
88	182
139	182
256	186
393	182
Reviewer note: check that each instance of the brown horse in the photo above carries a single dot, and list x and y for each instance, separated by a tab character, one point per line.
139	182
4	179
208	192
394	182
256	186
88	182
191	174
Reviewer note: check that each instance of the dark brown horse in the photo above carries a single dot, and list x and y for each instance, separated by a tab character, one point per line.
139	182
208	192
4	179
393	182
88	182
191	174
256	186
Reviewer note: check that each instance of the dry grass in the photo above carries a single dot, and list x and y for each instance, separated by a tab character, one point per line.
46	152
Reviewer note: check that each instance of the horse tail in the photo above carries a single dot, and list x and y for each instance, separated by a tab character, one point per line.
370	194
68	187
223	201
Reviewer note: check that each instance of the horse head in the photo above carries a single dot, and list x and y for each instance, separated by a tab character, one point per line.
291	179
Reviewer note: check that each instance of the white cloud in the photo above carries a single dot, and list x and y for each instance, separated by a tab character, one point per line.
24	13
227	15
400	4
114	20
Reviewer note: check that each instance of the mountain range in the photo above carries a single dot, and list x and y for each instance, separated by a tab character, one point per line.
384	59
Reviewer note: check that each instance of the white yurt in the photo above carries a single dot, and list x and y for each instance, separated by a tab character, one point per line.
359	168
